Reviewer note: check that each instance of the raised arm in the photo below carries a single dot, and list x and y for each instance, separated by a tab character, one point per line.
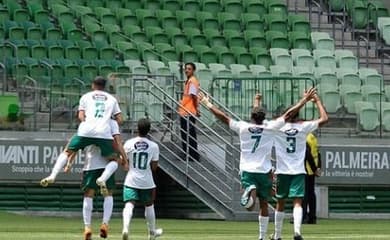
321	109
81	115
217	113
307	96
257	101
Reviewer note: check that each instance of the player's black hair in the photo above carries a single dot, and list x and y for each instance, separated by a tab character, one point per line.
100	82
258	115
191	64
143	127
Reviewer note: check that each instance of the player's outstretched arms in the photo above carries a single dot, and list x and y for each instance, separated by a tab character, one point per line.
307	96
217	113
321	109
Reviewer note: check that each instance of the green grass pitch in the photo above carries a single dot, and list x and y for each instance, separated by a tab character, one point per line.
16	227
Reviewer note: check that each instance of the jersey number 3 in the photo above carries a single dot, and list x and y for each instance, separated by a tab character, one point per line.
256	145
140	160
292	143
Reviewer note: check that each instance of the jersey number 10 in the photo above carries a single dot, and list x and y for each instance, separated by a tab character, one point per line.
140	160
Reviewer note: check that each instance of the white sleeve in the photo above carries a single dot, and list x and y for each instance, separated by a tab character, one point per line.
83	103
235	125
275	124
114	128
309	126
116	109
193	90
127	146
156	154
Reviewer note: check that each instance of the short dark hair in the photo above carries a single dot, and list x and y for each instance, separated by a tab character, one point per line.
258	115
100	82
143	126
191	64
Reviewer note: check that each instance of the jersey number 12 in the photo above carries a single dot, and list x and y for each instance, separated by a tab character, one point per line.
140	160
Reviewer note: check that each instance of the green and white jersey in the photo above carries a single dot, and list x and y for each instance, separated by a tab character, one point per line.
141	152
99	107
256	142
290	146
93	157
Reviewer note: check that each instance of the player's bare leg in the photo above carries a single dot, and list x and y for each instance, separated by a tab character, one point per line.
58	166
70	162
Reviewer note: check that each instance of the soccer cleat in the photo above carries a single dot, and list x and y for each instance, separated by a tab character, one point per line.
103	187
246	199
104	230
87	233
298	237
155	234
273	238
46	181
125	236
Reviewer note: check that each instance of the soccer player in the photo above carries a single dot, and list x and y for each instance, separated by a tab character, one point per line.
139	185
290	145
96	108
93	167
256	140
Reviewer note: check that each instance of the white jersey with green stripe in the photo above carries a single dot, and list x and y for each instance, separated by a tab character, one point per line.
93	157
141	152
290	146
99	108
256	143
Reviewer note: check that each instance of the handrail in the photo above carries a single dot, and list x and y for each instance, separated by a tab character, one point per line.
28	79
319	13
2	66
365	40
50	71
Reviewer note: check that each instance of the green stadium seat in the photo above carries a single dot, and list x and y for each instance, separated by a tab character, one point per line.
346	59
255	39
336	5
151	4
50	32
237	68
212	6
37	12
205	77
261	56
367	119
277	39
300	40
358	12
322	40
154	65
113	4
190	5
326	75
233	6
132	4
186	19
331	100
216	67
276	22
302	71
83	11
371	77
281	57
171	5
198	39
257	69
95	3
236	41
242	55
225	56
255	6
105	15
280	70
252	21
207	20
89	71
90	53
348	76
214	37
377	9
70	30
126	17
384	109
277	6
229	21
372	93
38	52
349	97
299	23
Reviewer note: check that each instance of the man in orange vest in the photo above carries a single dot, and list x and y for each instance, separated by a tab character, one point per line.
189	108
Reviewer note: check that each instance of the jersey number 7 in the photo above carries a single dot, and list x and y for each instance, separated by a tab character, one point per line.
256	145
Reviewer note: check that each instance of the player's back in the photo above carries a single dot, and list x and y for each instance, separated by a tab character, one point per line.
290	146
141	152
256	142
99	107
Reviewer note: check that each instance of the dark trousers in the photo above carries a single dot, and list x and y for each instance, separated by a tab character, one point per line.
187	129
309	202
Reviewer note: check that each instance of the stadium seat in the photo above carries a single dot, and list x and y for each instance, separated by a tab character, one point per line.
358	12
252	21
255	6
281	56
212	6
277	39
276	22
229	21
372	94
384	109
233	6
322	40
376	10
367	119
206	20
299	40
257	69
261	56
349	97
298	23
255	38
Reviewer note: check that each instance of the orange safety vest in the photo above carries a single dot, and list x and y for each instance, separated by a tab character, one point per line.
187	105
